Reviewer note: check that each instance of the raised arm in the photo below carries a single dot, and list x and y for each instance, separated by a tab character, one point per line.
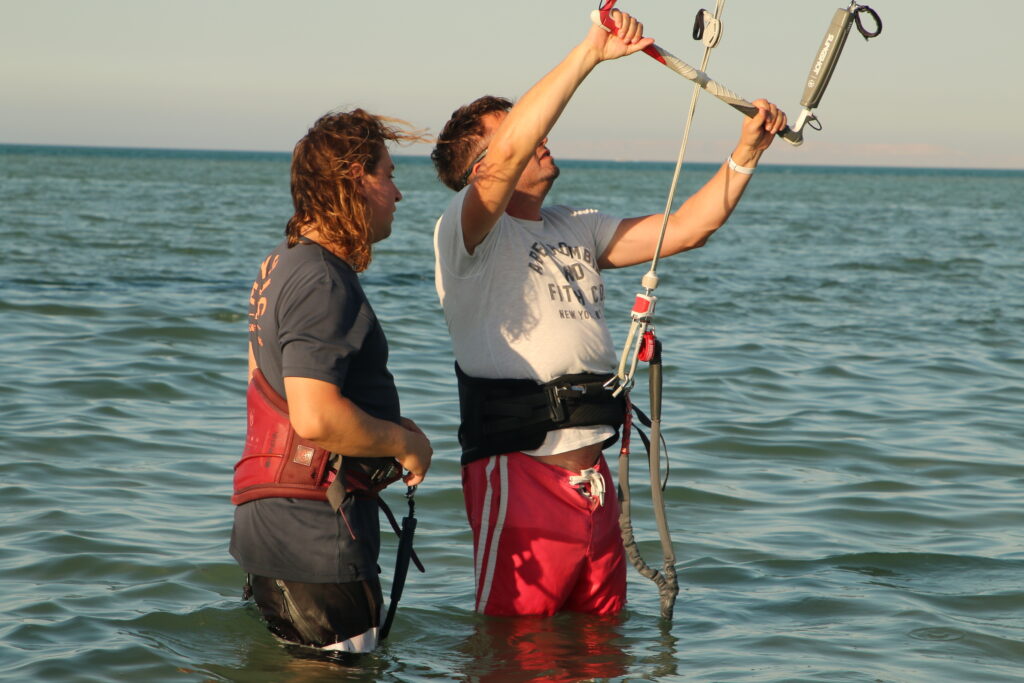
705	211
516	136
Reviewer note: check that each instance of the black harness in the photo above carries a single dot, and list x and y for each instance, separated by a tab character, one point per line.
508	415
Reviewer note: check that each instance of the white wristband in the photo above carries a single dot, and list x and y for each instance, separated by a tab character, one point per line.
745	170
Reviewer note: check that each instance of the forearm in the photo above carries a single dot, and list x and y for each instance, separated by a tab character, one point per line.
340	426
709	208
523	131
319	413
356	433
538	109
516	142
531	119
689	227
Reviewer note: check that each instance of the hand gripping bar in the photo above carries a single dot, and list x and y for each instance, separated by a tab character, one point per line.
603	18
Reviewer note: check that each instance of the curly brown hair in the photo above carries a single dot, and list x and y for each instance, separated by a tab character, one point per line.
460	140
325	179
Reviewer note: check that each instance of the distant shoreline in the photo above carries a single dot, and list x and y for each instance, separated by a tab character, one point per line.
249	155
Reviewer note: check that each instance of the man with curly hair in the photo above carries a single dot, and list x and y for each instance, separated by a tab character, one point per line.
319	389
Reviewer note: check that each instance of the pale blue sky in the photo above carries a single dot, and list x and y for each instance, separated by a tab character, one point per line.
939	87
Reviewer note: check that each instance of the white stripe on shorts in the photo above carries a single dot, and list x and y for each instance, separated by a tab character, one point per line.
487	577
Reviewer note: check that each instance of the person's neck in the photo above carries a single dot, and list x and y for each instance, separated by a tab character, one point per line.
526	205
314	236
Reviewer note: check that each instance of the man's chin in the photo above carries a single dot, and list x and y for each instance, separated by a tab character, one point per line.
380	234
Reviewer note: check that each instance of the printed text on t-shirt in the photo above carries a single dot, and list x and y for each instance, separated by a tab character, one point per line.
257	296
545	257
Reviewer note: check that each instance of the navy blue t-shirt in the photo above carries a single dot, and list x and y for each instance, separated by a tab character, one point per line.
309	317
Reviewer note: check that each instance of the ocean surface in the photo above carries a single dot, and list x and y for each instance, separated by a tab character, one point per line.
844	411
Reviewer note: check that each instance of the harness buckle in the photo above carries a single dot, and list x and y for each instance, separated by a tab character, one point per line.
558	398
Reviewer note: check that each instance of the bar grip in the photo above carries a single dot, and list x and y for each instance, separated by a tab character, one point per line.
601	18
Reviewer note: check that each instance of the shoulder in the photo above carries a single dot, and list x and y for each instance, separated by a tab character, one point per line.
453	210
585	224
311	267
449	241
573	217
449	223
570	211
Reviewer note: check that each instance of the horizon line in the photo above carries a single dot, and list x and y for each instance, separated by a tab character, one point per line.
283	153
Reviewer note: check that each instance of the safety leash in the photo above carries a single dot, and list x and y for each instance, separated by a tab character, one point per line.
665	580
404	555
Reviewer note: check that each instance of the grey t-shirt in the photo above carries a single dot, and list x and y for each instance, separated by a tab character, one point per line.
309	317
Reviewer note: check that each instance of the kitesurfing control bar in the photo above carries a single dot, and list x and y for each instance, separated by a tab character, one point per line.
603	17
822	67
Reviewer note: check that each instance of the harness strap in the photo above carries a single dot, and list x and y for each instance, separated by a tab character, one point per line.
277	462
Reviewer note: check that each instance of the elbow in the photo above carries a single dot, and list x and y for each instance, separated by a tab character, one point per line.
691	232
694	242
701	237
309	426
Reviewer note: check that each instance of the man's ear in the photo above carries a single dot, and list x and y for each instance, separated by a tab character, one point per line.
356	170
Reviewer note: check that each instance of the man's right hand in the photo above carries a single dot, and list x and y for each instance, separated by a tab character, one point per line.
320	413
418	453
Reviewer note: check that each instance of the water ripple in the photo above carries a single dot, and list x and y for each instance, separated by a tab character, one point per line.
843	426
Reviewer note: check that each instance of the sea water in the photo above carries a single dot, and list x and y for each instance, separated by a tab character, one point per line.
844	382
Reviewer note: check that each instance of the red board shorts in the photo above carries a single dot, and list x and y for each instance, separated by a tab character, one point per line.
541	544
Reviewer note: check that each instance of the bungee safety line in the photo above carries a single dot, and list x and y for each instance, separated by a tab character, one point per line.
641	343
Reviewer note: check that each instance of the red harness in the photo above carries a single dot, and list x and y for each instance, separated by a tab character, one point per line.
277	462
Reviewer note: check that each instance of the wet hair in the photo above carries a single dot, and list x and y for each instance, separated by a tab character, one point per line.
460	140
325	179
